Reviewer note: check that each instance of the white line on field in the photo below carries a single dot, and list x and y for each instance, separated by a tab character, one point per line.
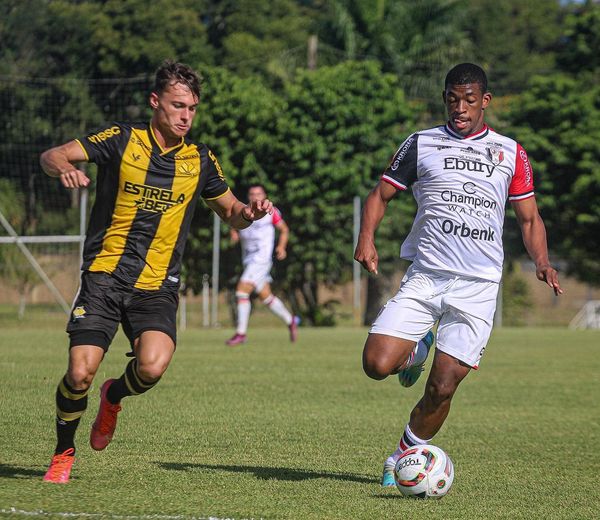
50	514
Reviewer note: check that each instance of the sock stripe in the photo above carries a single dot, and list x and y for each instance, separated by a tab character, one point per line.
134	382
69	393
68	416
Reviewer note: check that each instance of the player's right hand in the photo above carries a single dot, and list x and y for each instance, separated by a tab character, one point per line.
366	255
74	179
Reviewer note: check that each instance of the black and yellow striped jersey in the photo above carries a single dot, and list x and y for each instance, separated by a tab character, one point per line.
145	200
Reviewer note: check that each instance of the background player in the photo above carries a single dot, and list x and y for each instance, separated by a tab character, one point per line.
149	179
461	175
257	242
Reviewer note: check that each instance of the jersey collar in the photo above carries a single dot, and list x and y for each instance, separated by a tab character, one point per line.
163	151
477	135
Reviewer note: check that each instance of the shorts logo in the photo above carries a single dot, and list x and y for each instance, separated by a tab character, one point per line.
104	135
78	313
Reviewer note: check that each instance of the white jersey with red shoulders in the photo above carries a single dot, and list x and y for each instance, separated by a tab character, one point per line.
258	239
461	185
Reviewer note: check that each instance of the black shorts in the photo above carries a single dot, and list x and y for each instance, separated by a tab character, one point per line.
103	302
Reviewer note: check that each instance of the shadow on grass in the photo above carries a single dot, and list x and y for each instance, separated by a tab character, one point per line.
8	471
269	473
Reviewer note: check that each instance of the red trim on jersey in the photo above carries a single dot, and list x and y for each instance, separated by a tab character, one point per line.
394	183
474	135
277	218
521	185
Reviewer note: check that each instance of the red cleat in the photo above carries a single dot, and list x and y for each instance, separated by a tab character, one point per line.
236	339
106	420
60	467
294	328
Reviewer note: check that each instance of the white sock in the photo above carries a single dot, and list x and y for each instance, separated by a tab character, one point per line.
418	355
408	440
277	307
243	312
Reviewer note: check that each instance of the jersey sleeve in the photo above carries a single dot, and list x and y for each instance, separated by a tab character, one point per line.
100	145
215	185
521	186
277	218
402	170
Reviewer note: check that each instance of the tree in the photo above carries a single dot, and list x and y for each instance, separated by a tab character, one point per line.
341	125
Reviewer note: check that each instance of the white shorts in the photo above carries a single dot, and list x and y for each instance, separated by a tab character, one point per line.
463	306
257	274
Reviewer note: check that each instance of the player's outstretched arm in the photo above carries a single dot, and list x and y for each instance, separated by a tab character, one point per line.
374	210
284	235
237	214
534	238
59	162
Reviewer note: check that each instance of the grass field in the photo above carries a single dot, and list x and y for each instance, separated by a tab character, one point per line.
278	431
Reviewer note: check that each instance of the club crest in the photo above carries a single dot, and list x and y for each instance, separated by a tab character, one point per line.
495	155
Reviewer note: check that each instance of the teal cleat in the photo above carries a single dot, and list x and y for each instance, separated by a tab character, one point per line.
387	479
409	376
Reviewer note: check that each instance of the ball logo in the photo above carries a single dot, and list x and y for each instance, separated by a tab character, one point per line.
441	484
407	462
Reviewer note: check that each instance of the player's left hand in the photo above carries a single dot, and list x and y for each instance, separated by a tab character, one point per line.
280	253
547	273
257	209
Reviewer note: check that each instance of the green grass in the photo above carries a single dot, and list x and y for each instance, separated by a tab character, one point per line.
278	431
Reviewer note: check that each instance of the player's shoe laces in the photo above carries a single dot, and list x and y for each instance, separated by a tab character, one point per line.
60	467
236	339
409	376
294	328
387	479
106	420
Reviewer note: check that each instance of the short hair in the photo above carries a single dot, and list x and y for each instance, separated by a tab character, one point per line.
257	185
171	72
466	73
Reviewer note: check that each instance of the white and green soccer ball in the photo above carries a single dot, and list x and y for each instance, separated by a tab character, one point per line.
424	471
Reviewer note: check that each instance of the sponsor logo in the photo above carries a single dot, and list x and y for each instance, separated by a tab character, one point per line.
526	165
463	231
401	153
216	163
407	462
441	484
153	199
495	155
136	140
104	135
187	169
78	313
186	157
454	163
136	156
468	198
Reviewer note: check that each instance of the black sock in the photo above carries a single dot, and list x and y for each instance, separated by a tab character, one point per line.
130	383
70	405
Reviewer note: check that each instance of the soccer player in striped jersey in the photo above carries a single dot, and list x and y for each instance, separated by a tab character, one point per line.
257	241
461	175
150	177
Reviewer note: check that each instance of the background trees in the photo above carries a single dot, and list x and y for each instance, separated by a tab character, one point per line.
315	138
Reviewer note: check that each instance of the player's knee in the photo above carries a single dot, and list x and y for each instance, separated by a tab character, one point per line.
80	377
376	367
440	391
152	371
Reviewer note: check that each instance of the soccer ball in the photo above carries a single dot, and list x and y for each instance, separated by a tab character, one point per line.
424	471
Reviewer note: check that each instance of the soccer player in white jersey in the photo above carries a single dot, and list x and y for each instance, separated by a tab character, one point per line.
461	175
257	242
